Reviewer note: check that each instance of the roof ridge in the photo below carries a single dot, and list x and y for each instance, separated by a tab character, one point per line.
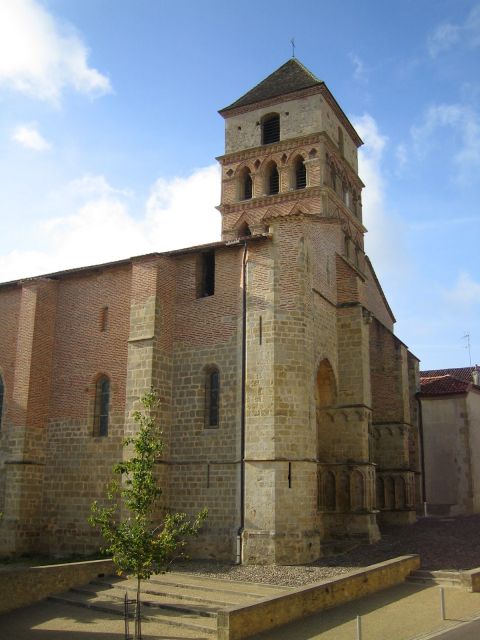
290	77
306	69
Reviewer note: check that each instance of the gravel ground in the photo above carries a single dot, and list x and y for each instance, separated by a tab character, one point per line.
442	543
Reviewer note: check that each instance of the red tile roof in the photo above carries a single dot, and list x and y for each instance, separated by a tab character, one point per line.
438	382
461	373
443	385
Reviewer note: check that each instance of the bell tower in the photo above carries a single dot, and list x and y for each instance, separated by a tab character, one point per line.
290	172
286	141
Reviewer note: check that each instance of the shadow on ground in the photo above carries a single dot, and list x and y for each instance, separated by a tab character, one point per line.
442	543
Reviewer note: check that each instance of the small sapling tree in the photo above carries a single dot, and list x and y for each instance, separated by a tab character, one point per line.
139	544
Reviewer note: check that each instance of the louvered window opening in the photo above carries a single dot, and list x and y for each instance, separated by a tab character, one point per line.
271	130
247	187
273	182
300	175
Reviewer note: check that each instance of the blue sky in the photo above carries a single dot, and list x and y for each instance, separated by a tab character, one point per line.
109	132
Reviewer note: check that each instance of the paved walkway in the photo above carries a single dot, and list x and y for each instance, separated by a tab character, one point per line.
54	621
404	612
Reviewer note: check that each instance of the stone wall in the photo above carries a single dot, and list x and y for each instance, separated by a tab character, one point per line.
236	623
20	587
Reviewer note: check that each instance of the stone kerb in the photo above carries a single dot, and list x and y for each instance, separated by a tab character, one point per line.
235	623
20	587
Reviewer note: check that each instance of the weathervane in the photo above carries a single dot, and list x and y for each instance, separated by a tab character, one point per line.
293	47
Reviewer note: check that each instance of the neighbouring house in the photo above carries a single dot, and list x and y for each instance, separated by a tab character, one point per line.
450	401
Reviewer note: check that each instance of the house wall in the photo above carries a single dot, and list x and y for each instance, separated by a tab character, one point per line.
473	412
447	455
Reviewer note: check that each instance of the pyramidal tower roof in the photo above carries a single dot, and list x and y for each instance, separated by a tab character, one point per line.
290	77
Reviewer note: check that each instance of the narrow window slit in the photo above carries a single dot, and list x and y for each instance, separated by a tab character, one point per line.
104	319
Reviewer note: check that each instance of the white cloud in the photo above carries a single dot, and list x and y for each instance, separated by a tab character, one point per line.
465	292
443	38
448	34
89	187
465	122
41	56
472	27
28	136
181	213
100	228
360	71
401	156
384	241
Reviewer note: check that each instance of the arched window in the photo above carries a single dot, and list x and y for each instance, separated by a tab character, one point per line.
212	398
273	181
246	185
2	394
102	406
300	174
271	129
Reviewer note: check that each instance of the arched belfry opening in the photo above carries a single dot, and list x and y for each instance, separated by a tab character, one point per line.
300	173
246	184
272	179
244	230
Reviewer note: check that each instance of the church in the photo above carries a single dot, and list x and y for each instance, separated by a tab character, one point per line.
287	404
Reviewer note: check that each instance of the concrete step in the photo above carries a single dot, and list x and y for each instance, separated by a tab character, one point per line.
251	589
176	599
442	578
217	598
151	599
110	603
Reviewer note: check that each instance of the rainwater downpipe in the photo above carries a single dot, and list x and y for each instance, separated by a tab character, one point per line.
239	555
422	456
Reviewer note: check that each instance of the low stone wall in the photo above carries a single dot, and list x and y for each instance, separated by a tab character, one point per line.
235	623
22	586
471	580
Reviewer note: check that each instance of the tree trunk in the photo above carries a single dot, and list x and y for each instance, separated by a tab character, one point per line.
138	614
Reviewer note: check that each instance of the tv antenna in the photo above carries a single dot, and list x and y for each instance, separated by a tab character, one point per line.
466	337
